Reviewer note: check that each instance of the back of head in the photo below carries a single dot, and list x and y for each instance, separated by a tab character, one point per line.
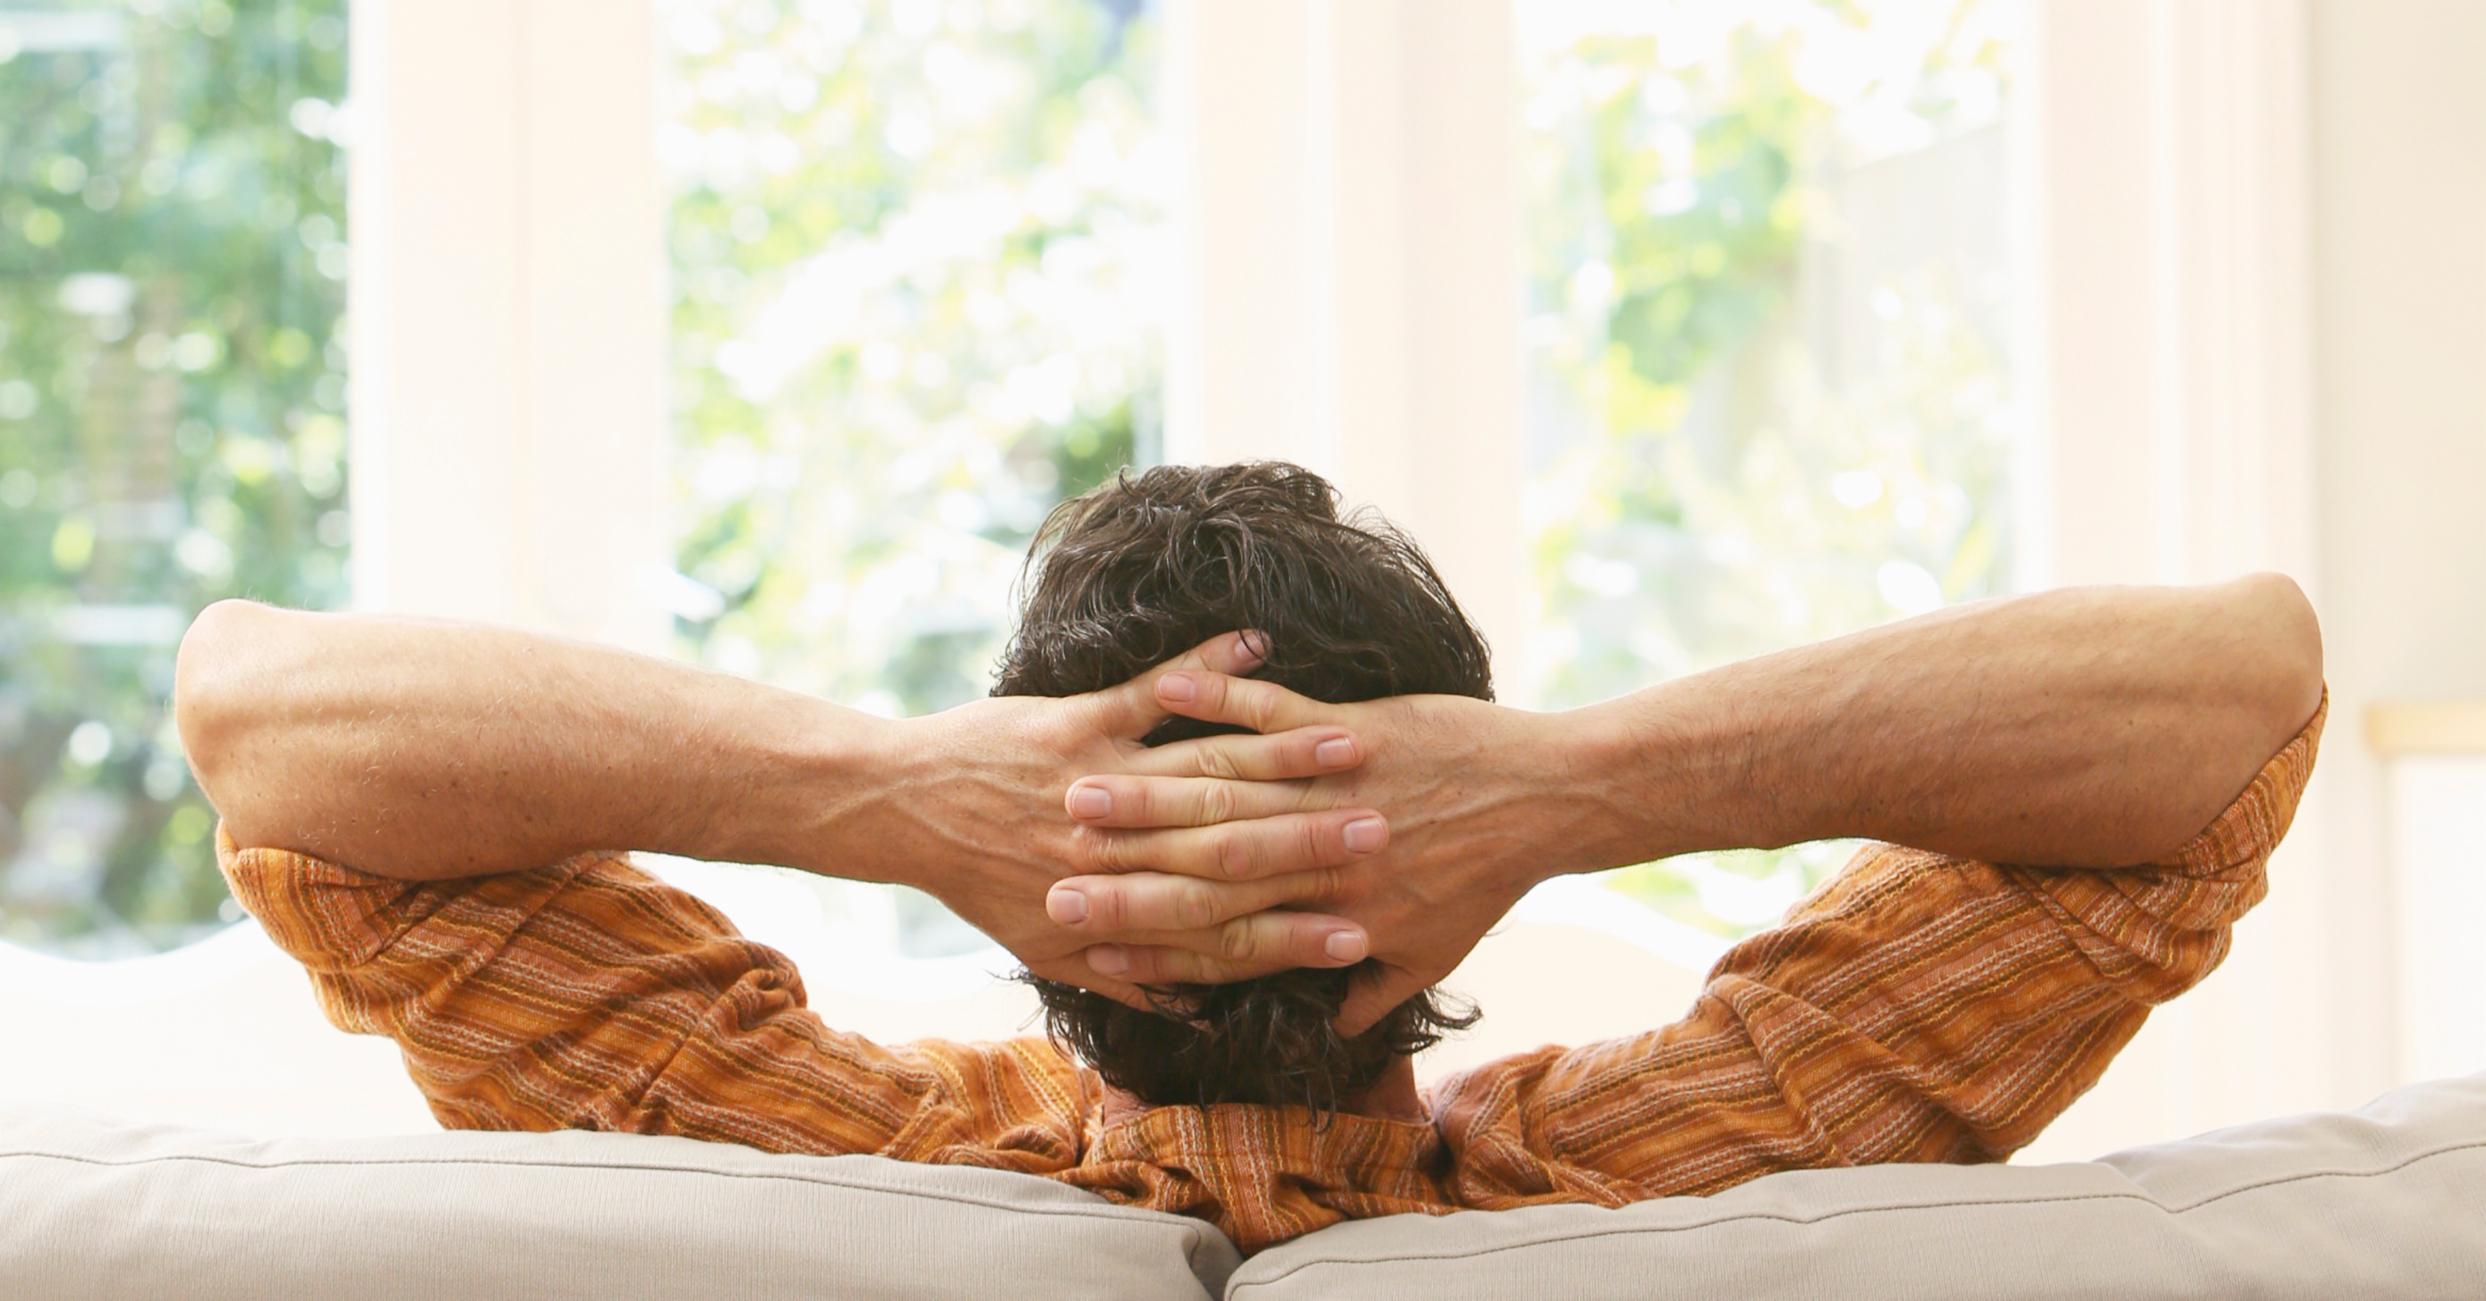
1153	563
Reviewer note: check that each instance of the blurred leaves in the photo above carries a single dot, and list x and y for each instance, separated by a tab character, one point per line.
1766	320
172	224
914	250
917	253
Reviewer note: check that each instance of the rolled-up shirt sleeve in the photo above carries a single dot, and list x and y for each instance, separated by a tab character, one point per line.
1918	1007
2153	932
1984	999
588	994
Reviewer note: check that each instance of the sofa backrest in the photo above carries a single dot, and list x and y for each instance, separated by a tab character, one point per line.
102	1209
2388	1201
2385	1201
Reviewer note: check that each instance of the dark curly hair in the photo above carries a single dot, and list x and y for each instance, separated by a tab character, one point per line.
1155	562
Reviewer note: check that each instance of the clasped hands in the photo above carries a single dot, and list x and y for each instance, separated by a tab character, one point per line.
1393	829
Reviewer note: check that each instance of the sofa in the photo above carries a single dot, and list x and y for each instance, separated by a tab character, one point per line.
2385	1201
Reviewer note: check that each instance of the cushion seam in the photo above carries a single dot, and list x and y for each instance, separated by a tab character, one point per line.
1102	1210
1408	1258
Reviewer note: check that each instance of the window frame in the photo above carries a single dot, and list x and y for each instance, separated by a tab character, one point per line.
508	338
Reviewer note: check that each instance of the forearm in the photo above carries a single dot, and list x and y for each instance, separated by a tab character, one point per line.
2084	727
427	749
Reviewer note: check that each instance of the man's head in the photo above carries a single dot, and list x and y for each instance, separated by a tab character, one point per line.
1153	563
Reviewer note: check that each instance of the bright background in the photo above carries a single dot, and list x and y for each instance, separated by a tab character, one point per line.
762	332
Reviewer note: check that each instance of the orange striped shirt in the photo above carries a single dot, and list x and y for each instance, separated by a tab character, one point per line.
1917	1008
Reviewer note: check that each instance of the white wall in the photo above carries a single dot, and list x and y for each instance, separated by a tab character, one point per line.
509	325
2309	1010
1348	290
2400	288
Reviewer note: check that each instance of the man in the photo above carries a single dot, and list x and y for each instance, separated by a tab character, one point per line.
431	818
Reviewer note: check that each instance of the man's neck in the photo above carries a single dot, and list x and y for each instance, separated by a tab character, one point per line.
1391	1097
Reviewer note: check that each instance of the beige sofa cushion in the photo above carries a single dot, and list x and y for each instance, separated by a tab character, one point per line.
2385	1202
98	1208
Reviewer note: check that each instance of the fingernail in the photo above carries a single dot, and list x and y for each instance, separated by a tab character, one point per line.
1255	644
1341	946
1336	752
1066	906
1091	802
1108	960
1176	686
1364	835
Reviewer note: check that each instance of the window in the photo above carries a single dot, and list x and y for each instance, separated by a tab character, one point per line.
172	265
913	309
1747	371
918	263
1768	381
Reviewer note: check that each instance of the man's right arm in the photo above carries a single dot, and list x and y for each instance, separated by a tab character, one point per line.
430	749
426	750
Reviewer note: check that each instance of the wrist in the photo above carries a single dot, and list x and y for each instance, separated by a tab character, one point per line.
1555	761
820	792
1608	790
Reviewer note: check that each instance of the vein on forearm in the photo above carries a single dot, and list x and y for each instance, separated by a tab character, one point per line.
2087	727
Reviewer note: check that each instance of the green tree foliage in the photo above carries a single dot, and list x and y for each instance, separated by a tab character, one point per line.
915	307
172	209
1766	346
918	264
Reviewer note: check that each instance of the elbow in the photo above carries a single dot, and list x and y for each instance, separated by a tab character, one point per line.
211	685
2285	683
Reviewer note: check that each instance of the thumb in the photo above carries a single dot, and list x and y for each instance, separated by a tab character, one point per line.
1373	994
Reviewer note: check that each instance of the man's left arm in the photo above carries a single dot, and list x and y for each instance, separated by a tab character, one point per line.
2087	727
1919	1007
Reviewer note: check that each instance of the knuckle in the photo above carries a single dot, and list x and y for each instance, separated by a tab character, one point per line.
1164	967
1313	846
1215	762
1237	941
1234	855
1217	803
1195	907
1107	907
